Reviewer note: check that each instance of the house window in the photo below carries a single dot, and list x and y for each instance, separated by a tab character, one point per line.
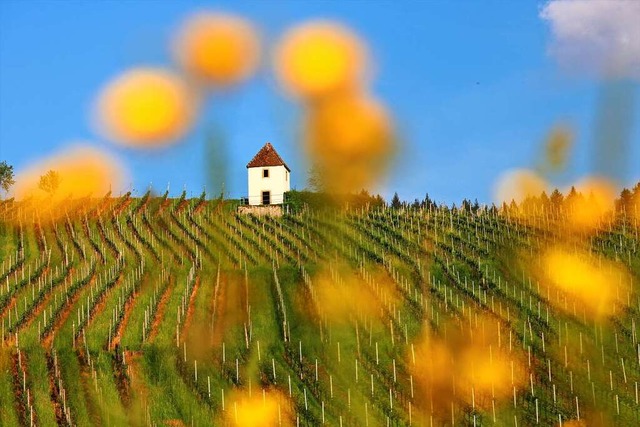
265	173
266	197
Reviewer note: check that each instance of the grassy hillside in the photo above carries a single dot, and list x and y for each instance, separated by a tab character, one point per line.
156	311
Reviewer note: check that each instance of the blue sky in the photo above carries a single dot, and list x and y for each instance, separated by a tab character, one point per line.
470	85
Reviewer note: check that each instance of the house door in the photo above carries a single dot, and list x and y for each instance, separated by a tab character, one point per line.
266	197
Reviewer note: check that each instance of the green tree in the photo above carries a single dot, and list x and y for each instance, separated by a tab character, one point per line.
427	203
49	182
625	200
6	176
395	201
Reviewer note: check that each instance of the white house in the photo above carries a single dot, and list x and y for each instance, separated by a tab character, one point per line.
268	177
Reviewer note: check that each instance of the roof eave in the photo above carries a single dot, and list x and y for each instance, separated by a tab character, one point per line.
270	166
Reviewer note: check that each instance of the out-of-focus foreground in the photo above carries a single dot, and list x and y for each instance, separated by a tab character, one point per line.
158	311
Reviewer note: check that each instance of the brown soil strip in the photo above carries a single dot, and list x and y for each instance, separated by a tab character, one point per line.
88	389
219	320
121	377
165	203
135	371
143	206
231	308
12	302
162	305
140	398
181	206
122	207
54	392
190	308
48	339
128	307
199	206
18	393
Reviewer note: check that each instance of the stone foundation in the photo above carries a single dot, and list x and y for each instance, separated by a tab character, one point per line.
270	210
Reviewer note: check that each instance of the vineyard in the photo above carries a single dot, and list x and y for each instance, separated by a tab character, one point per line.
158	311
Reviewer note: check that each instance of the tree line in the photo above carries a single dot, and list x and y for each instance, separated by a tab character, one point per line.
49	182
626	201
556	201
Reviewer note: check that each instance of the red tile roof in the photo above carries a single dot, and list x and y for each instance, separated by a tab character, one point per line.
267	156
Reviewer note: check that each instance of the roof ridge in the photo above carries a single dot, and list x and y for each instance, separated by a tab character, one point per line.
267	156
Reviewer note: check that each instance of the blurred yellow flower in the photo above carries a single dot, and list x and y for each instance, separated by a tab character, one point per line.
217	48
259	410
320	58
146	107
595	285
518	185
82	170
486	374
467	366
597	201
334	299
351	138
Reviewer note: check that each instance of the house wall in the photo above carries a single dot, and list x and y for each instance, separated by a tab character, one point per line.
278	183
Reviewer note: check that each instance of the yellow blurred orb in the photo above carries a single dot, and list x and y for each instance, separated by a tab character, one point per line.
466	365
146	107
598	200
83	171
351	138
488	373
518	185
218	48
349	127
594	284
260	410
319	58
433	373
334	300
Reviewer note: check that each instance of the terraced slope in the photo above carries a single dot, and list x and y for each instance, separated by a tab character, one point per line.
157	311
